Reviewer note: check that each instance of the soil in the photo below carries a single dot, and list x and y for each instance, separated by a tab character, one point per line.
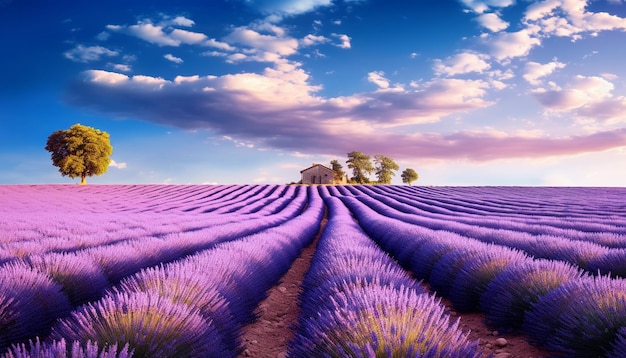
268	336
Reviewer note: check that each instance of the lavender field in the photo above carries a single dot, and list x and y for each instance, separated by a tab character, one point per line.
178	271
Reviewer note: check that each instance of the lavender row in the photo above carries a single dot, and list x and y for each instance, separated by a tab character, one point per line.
357	302
587	255
522	201
75	230
192	307
600	228
556	304
128	198
83	275
606	235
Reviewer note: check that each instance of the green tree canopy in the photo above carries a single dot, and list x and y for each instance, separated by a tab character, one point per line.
385	168
80	151
361	166
338	172
409	175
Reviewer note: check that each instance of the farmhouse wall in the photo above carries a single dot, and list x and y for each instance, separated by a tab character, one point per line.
317	174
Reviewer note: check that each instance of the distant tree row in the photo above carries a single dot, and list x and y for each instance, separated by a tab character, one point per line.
362	167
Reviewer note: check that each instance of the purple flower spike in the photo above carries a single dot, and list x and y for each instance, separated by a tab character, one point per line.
478	272
447	268
382	321
519	287
60	349
581	318
81	278
29	302
151	325
619	346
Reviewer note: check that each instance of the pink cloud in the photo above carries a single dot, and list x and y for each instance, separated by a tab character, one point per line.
284	112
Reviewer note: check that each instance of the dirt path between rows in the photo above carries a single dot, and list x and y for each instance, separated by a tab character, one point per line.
269	335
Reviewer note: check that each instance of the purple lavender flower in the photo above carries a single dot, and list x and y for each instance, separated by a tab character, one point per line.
619	346
82	280
384	321
151	325
29	302
447	268
473	278
61	349
516	289
581	317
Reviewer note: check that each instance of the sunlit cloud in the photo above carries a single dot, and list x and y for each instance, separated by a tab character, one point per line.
378	79
345	40
581	91
480	6
82	53
535	71
465	62
570	18
492	22
117	165
507	45
173	58
287	7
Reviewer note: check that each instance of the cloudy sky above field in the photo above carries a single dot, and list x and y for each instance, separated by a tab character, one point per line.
466	92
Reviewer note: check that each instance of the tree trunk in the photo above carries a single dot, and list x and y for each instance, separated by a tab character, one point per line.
83	179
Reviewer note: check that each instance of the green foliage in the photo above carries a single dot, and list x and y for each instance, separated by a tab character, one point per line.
409	175
80	151
385	168
361	167
338	172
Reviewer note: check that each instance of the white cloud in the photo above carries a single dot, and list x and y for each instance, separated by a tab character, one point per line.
173	58
345	40
539	9
507	45
162	33
120	67
288	7
569	18
310	40
480	6
218	44
117	165
153	34
149	81
100	76
188	37
182	21
534	71
378	79
580	92
492	22
103	36
280	45
465	62
81	53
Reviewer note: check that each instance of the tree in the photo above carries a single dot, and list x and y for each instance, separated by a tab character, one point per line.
337	170
80	151
360	165
385	168
409	175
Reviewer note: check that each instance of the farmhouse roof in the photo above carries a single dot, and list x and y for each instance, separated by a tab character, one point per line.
316	165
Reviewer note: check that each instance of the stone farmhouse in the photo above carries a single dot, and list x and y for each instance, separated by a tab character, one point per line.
319	174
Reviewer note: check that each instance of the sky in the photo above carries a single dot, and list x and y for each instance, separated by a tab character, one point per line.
465	92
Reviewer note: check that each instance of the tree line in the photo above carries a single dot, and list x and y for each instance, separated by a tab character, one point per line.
362	167
83	151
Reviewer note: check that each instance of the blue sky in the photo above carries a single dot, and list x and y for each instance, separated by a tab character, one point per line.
466	92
